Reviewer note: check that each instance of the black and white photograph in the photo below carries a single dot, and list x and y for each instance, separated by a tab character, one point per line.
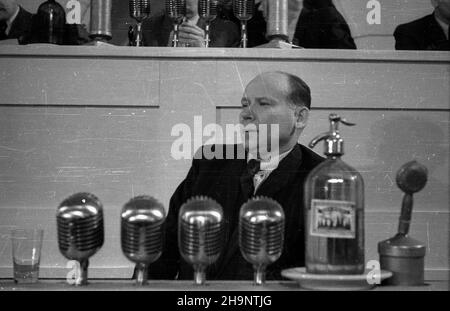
237	149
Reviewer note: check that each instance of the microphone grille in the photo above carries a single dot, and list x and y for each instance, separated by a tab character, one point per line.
261	230
176	9
142	225
139	9
243	9
207	9
200	231
80	225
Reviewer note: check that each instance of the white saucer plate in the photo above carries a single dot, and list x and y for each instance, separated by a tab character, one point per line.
332	282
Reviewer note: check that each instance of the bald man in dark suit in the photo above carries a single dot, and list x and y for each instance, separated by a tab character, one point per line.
271	98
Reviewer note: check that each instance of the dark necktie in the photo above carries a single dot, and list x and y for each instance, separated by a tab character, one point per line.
253	167
3	27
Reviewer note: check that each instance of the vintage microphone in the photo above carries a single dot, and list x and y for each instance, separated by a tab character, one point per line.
207	9
176	10
139	10
200	234
142	227
80	230
243	10
403	255
261	234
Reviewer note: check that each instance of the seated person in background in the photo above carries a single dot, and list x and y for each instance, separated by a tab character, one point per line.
427	33
158	30
17	23
319	26
275	98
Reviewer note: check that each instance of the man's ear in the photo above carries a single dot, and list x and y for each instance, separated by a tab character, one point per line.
301	117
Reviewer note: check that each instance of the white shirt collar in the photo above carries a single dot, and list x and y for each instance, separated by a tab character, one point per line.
11	20
271	164
443	25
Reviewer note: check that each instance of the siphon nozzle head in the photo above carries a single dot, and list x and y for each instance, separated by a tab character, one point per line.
334	144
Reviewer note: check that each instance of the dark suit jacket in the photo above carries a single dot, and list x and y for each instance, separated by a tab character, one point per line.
323	28
320	26
422	34
223	33
20	28
220	180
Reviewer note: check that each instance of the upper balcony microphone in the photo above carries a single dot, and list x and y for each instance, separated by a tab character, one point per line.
207	9
261	234
243	10
176	10
142	221
139	10
80	230
200	234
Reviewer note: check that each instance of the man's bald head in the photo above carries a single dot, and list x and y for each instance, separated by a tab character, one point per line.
276	99
296	91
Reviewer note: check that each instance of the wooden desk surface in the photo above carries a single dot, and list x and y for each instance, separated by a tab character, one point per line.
128	285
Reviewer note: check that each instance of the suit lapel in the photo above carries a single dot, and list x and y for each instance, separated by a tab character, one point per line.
2	30
276	180
436	34
228	188
282	175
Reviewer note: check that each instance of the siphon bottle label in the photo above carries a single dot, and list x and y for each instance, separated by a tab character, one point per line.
332	219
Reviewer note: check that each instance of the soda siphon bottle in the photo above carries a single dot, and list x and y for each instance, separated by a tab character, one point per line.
334	210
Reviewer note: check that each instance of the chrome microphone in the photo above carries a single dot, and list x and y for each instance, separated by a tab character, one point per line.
261	234
176	10
142	229
80	230
243	10
139	10
200	234
207	9
277	23
101	20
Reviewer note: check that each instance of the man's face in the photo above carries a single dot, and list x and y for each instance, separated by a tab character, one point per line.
443	6
264	102
7	9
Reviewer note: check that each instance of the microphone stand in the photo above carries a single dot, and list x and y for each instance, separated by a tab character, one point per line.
82	276
199	274
175	34
141	277
259	274
244	38
207	34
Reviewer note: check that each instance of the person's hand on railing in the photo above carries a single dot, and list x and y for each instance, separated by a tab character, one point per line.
191	35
